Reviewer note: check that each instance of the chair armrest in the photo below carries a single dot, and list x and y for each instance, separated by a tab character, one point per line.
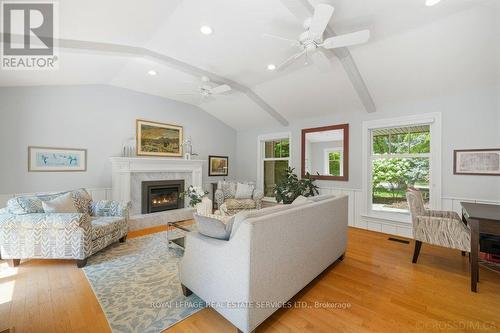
219	197
109	208
444	214
258	195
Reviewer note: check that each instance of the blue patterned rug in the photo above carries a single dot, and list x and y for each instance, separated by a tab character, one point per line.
137	284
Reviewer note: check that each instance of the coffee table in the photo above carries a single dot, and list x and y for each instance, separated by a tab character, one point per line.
176	231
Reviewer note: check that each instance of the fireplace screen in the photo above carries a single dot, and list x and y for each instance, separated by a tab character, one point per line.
158	196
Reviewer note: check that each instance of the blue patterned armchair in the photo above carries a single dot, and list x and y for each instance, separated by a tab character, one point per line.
26	231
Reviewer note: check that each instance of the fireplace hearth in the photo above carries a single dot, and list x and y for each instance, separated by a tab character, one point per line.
162	195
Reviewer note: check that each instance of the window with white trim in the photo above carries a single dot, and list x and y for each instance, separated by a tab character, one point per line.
399	159
273	162
334	162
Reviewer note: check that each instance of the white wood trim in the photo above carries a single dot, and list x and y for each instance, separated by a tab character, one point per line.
260	154
432	119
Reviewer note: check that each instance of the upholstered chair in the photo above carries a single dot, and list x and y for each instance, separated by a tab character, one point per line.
442	228
227	198
28	232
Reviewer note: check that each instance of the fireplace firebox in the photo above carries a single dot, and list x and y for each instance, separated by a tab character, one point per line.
161	195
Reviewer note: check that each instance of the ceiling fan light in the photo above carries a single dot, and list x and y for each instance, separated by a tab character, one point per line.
206	30
430	3
271	67
152	72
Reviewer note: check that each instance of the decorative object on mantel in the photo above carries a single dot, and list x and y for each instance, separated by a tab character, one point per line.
484	162
187	146
129	148
158	139
291	187
218	165
50	159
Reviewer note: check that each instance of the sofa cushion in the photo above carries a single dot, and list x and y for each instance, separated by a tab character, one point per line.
62	204
248	214
301	200
214	226
32	204
102	226
244	191
235	204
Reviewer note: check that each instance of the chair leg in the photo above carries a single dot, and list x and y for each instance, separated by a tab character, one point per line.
463	253
81	262
418	245
185	290
14	262
123	239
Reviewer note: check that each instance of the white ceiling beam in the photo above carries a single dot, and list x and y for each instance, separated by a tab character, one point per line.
302	9
134	51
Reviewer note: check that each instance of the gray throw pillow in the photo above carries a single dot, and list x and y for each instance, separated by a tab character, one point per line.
214	226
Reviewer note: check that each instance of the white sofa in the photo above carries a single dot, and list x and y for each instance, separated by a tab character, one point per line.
268	258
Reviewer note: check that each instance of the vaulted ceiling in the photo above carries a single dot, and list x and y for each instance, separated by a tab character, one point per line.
414	52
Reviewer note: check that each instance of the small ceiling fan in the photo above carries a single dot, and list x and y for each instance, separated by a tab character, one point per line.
311	42
207	92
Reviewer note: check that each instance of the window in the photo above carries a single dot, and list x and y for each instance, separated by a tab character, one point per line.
400	158
274	161
333	162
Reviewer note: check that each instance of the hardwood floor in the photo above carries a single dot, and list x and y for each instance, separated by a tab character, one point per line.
382	290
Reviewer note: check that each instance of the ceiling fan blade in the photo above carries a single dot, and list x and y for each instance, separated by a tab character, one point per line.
187	94
288	61
293	41
353	38
321	61
322	15
220	89
299	8
206	99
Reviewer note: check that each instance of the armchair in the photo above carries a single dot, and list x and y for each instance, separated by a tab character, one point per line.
442	228
26	231
225	195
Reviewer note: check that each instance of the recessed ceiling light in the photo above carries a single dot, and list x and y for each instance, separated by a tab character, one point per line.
430	3
206	30
271	67
152	72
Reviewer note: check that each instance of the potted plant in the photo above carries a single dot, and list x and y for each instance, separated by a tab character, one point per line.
290	187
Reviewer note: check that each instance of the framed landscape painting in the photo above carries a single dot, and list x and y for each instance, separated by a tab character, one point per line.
484	162
218	165
157	139
49	159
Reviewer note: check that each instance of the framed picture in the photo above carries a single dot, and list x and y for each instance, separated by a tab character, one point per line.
157	139
484	162
218	165
49	159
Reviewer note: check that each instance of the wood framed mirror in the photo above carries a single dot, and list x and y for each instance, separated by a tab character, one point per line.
325	152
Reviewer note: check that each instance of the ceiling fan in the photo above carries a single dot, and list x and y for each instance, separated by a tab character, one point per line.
207	92
311	42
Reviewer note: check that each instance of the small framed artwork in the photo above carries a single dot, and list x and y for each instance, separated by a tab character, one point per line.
50	159
218	165
158	139
484	162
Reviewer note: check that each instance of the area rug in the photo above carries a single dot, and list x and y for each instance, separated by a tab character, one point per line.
137	284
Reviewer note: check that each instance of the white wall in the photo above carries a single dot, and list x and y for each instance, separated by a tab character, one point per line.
470	120
98	118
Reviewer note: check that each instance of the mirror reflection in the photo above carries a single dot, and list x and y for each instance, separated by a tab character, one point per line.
324	151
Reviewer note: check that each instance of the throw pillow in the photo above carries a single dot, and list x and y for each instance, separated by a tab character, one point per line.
214	226
61	204
300	200
244	191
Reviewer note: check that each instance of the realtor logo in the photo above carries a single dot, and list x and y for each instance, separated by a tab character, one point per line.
29	35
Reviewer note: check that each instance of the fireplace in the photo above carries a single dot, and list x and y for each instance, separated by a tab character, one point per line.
162	195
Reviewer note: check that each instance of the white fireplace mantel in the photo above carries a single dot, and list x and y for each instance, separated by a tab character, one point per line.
123	167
